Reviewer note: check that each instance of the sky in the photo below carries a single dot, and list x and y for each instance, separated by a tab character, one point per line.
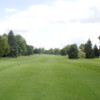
52	23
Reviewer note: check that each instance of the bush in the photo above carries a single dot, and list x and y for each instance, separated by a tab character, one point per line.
81	54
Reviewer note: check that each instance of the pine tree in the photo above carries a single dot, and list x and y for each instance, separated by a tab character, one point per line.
13	45
88	49
96	51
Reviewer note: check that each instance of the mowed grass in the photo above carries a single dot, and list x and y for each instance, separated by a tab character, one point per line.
49	77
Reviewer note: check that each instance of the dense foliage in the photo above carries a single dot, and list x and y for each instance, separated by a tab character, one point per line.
73	51
96	51
65	50
81	54
4	46
14	45
21	43
51	51
88	49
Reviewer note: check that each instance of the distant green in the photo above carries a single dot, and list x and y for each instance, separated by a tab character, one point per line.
49	77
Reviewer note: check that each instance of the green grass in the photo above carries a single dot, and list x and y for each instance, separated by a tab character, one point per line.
48	77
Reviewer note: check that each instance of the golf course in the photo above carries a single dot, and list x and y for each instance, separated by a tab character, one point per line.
49	77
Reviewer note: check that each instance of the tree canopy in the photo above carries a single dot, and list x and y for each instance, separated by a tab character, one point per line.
14	45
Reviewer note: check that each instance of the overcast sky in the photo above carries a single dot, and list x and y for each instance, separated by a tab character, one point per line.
52	23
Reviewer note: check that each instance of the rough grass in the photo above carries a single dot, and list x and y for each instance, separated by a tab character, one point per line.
46	77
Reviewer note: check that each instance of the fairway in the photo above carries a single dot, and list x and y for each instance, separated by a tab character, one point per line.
49	77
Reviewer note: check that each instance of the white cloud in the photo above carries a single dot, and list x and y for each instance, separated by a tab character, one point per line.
10	10
55	25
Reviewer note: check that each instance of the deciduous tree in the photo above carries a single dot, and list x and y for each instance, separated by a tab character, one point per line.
4	46
21	44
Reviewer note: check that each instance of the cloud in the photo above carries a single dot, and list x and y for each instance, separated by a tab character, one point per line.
56	25
10	10
93	18
91	12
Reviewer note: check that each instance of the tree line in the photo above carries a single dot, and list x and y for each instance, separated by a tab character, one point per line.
15	45
55	51
86	50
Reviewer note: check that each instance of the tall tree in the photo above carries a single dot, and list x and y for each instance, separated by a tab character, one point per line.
96	51
21	44
13	45
73	51
88	49
4	46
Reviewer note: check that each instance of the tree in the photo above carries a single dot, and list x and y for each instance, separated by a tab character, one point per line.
40	50
73	52
46	52
30	50
96	51
82	47
35	51
13	45
21	44
81	54
62	52
56	51
51	51
4	46
88	49
65	50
